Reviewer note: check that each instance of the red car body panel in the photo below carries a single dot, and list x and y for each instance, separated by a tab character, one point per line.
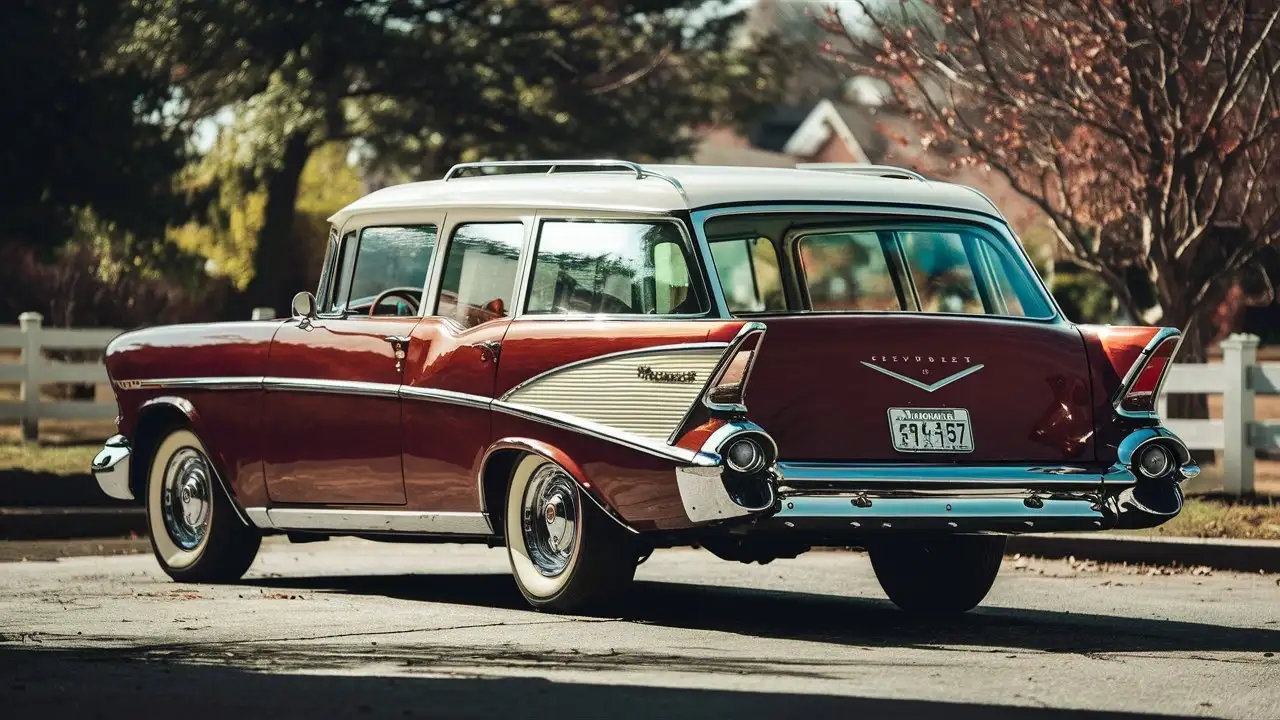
813	391
329	448
444	443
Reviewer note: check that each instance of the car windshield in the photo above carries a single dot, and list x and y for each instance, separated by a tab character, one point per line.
779	263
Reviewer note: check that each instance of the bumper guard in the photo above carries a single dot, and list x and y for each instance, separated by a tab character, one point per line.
111	468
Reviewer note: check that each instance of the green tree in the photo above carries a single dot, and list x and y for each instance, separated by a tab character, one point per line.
420	84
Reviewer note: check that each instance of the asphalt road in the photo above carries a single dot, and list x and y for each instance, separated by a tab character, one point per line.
355	629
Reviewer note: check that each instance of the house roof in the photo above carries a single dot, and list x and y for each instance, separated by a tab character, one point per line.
824	120
667	188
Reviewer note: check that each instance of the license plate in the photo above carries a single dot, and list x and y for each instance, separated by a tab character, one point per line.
931	430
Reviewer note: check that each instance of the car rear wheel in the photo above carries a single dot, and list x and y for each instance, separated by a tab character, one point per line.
195	532
938	574
566	554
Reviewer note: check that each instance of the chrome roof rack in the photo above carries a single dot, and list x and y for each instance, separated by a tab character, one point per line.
551	165
886	171
641	172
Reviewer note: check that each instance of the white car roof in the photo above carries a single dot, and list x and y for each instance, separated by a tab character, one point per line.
669	188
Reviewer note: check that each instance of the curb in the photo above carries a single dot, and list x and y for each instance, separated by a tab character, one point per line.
23	489
69	523
1217	553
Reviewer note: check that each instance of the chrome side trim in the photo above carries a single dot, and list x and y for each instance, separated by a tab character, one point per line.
1138	366
379	521
201	383
953	476
586	427
111	468
338	387
651	350
450	397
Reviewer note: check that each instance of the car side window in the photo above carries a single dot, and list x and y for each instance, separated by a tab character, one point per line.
391	260
480	272
614	268
847	271
749	274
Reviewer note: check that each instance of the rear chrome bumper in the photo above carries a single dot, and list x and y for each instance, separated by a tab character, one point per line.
860	497
951	511
111	468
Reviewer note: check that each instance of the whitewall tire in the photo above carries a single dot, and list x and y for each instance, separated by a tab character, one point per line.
567	555
195	532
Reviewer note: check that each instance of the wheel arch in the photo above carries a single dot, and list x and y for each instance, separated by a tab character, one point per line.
154	419
499	462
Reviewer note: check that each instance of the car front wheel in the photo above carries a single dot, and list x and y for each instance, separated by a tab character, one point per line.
938	574
195	532
566	554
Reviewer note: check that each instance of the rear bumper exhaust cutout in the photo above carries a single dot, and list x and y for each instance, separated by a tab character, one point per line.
743	483
1159	462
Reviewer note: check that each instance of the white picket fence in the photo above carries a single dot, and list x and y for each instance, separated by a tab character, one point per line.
33	339
1238	378
1239	434
35	370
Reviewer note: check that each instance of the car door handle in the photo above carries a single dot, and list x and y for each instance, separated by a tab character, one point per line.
399	344
489	349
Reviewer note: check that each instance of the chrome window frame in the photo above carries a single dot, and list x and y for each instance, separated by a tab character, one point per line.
334	283
326	268
1000	229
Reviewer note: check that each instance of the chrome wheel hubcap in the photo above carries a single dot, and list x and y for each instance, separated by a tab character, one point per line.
187	498
550	521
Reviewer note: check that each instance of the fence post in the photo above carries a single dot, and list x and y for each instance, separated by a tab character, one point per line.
1239	355
30	324
263	313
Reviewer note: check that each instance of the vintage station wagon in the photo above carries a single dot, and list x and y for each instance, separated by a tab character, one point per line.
587	360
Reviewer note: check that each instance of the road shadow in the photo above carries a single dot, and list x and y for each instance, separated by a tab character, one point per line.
826	618
134	684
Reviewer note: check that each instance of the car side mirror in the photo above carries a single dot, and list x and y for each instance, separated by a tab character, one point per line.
304	306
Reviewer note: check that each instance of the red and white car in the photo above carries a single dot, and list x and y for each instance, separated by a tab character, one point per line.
599	358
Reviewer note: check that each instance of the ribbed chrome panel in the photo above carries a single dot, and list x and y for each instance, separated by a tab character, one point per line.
613	391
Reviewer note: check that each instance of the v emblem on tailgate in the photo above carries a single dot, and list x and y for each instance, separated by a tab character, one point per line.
924	386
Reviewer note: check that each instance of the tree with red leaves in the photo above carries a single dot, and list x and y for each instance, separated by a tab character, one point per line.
1147	131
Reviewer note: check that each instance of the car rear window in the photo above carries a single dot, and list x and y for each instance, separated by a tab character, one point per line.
931	267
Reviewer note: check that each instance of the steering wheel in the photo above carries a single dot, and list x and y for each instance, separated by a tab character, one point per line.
410	295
